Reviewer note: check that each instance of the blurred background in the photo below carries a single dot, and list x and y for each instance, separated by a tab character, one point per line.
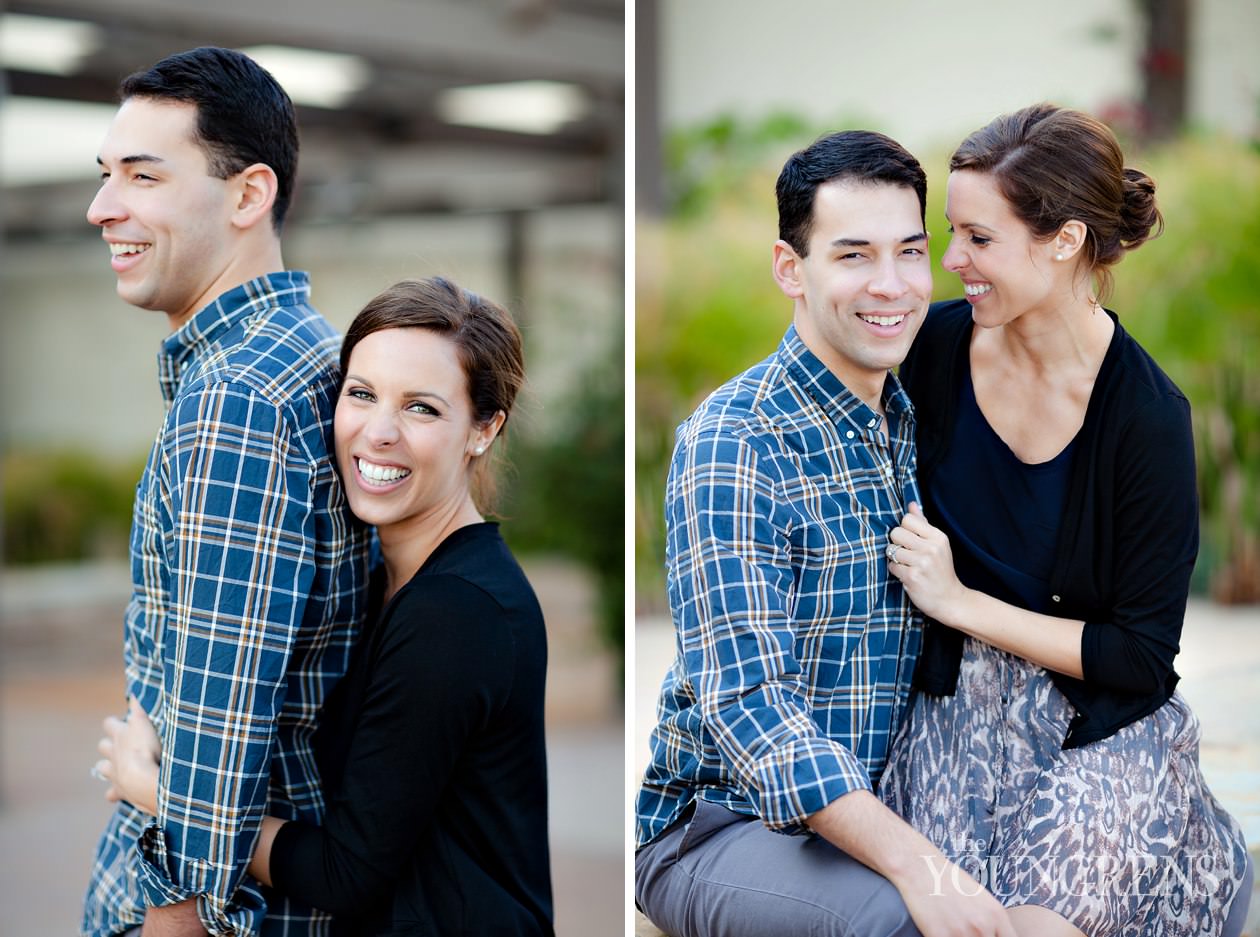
725	91
482	140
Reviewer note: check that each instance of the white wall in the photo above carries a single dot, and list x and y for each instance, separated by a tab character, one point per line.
927	72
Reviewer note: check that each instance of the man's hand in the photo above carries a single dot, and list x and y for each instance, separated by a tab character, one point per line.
943	900
947	902
175	920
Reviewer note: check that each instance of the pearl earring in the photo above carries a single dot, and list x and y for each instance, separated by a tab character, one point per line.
480	450
1058	256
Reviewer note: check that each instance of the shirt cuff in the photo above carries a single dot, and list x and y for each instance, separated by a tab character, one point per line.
800	778
159	889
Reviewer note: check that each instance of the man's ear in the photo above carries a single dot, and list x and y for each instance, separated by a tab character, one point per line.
254	189
787	270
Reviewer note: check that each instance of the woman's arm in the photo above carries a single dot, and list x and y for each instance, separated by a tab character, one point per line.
441	672
132	750
924	564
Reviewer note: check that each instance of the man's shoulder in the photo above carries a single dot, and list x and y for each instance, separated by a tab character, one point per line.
751	404
281	355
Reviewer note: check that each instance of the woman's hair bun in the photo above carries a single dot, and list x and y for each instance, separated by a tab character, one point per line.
1139	216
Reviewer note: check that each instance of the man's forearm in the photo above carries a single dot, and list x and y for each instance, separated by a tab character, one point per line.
861	826
174	920
942	899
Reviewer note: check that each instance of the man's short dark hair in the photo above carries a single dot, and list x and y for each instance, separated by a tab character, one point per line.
243	115
857	155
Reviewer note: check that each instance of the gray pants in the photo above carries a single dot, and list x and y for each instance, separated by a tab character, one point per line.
720	874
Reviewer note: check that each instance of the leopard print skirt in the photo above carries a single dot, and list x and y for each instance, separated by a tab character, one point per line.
1119	837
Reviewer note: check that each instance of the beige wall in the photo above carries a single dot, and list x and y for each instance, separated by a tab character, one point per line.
78	366
927	72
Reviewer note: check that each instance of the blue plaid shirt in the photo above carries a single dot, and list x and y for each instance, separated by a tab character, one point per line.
794	646
247	571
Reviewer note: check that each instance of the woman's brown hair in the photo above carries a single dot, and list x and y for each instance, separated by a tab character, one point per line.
488	343
1053	165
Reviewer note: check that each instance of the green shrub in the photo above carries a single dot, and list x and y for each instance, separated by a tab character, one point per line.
64	506
567	493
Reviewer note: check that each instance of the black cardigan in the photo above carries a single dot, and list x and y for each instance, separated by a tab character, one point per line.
1130	533
432	756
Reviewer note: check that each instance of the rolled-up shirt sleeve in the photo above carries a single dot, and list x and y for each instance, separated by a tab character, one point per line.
1156	536
239	555
730	581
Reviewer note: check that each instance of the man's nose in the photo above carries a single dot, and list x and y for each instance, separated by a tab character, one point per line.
105	208
888	281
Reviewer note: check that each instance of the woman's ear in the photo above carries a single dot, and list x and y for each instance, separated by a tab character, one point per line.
484	434
1070	239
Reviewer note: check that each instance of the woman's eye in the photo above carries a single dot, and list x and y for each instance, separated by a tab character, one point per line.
358	393
417	407
979	241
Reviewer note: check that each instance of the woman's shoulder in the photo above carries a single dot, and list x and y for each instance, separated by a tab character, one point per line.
932	354
947	317
472	580
1140	374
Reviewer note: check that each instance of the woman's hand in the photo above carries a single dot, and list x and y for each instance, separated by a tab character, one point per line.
920	557
131	750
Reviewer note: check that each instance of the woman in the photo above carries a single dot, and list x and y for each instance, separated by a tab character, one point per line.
1048	752
431	747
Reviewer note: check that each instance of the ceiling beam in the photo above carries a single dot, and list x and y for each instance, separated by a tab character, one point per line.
486	39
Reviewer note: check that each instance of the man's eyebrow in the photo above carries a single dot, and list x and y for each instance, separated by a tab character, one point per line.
138	158
858	242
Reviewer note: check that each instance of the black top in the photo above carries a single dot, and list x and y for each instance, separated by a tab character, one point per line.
1129	536
432	758
1004	542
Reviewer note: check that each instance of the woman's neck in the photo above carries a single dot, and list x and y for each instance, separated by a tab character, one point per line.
1059	340
406	545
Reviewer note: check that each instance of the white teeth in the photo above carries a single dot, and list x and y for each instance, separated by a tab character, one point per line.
116	249
882	320
977	289
381	474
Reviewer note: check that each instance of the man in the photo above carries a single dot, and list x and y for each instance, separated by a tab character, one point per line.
247	566
795	646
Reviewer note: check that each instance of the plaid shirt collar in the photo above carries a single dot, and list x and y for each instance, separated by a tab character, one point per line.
188	344
826	390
